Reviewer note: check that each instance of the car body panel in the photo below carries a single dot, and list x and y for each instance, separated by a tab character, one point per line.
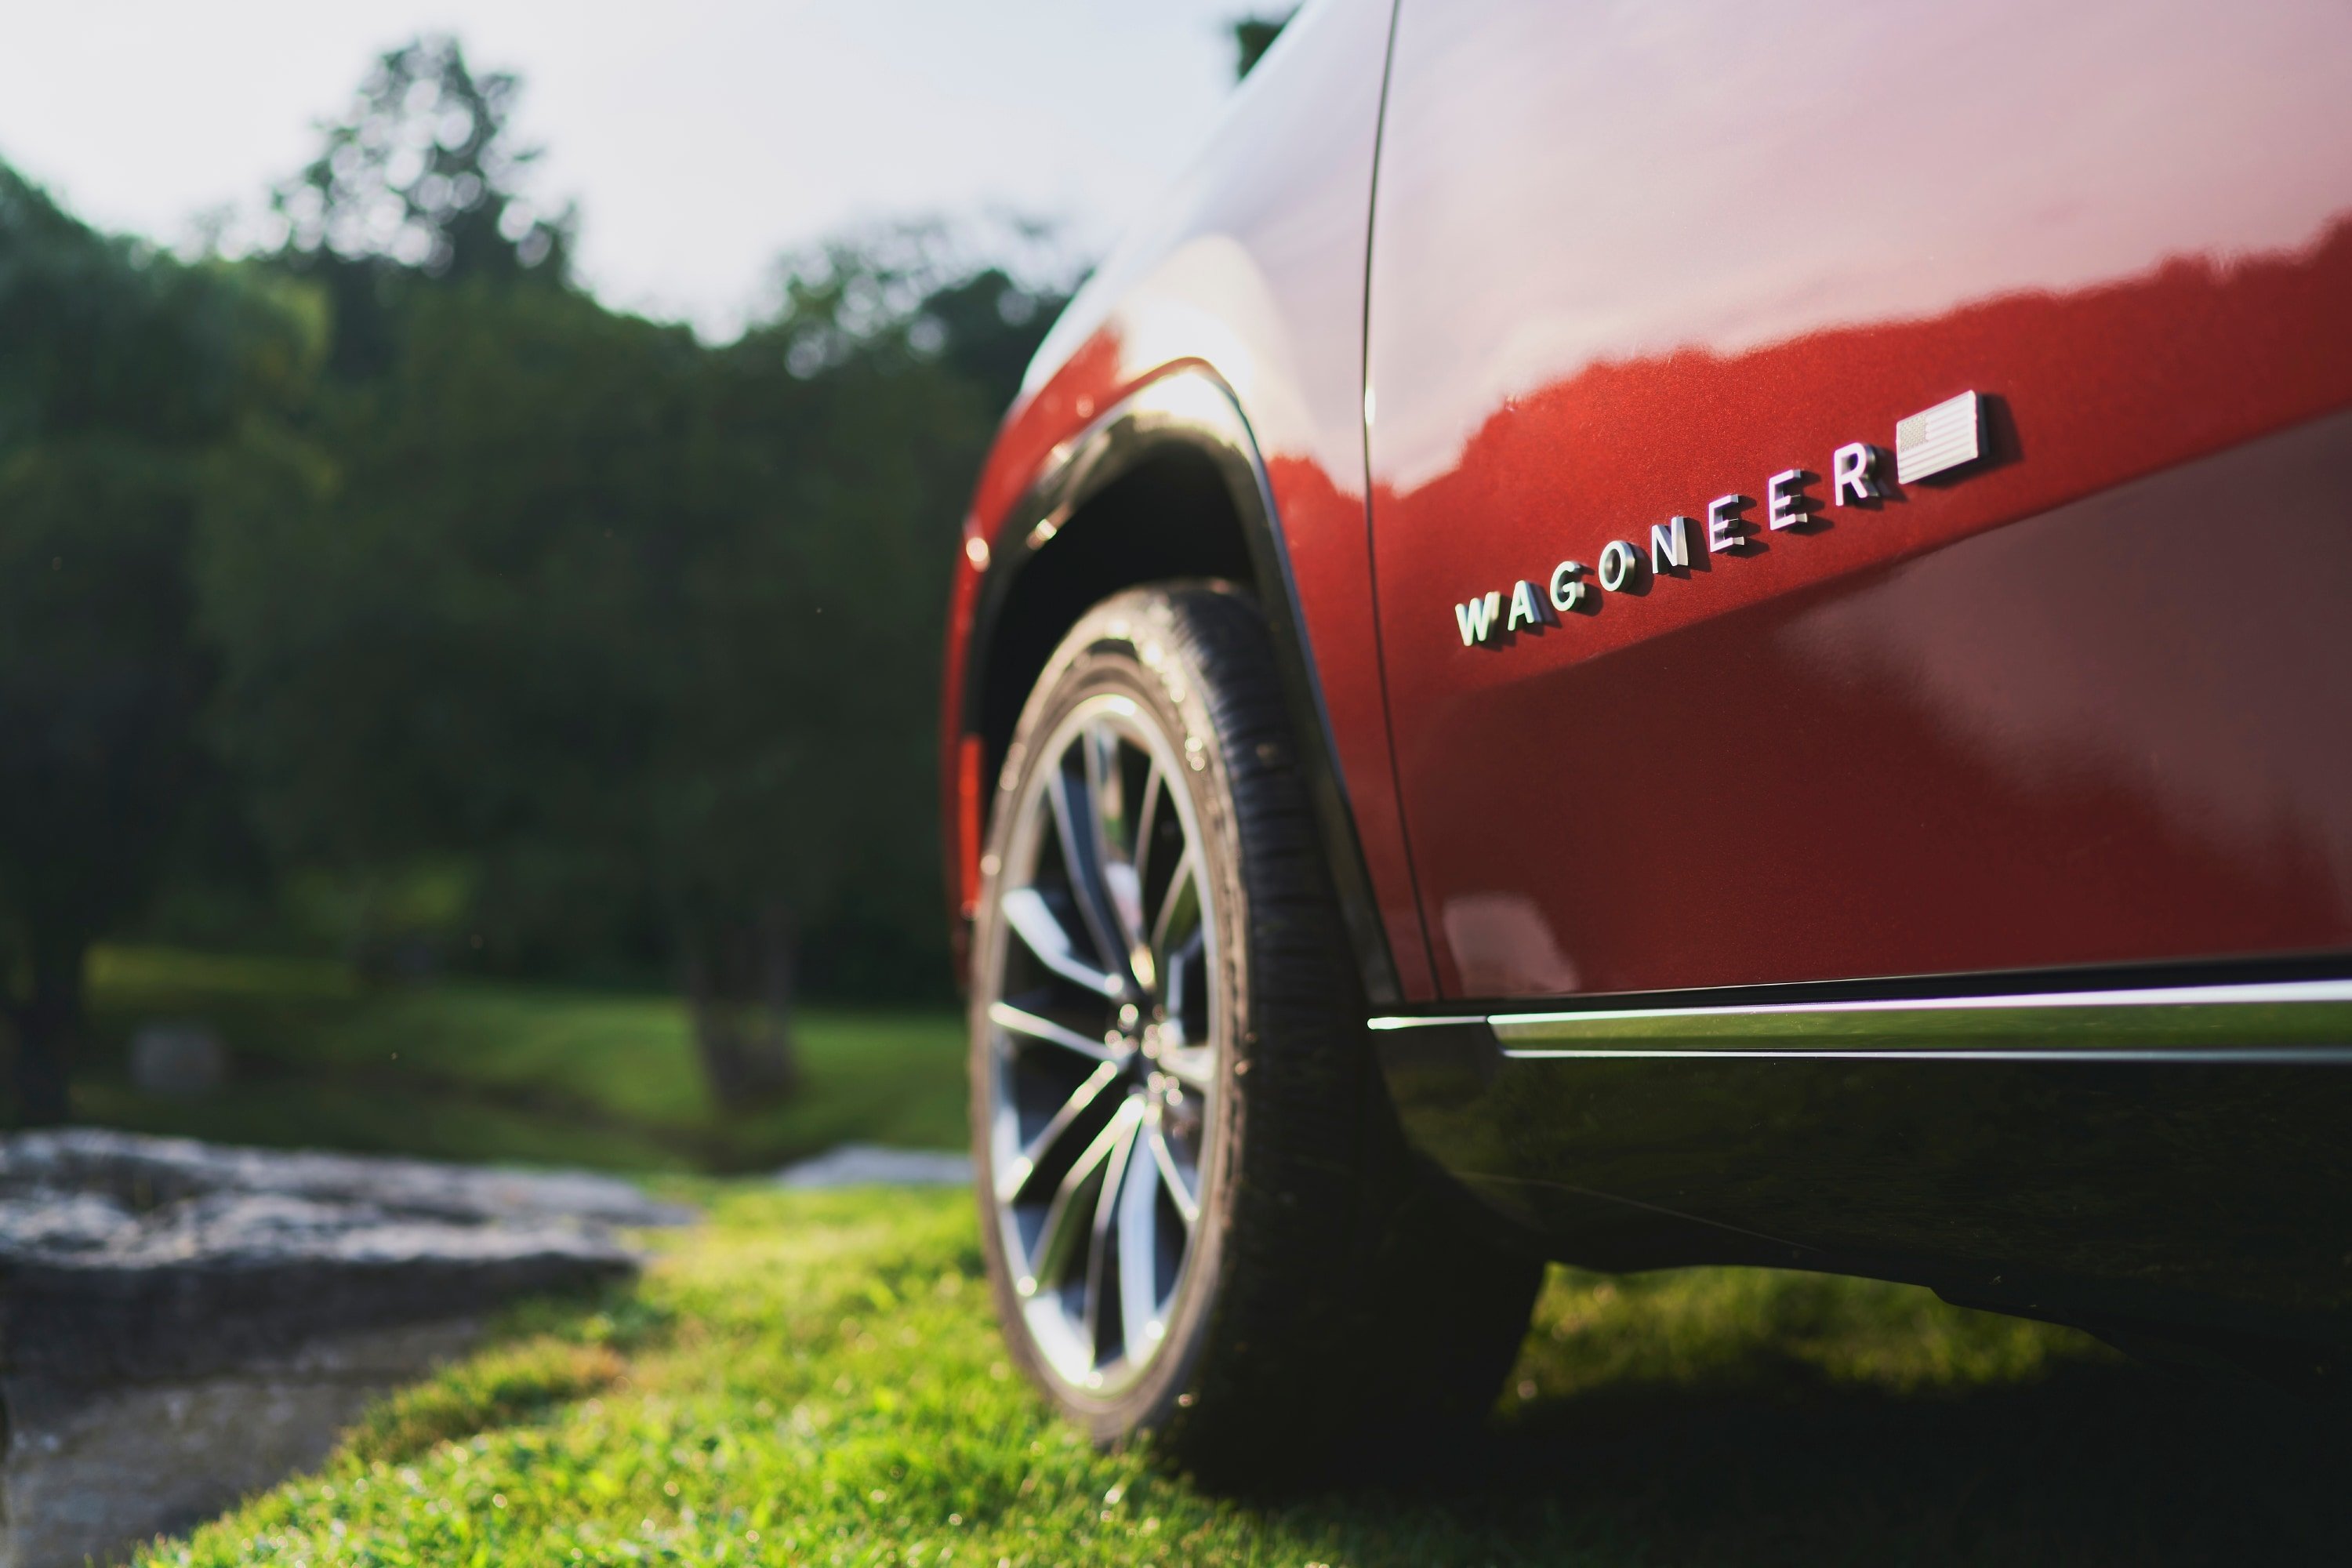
2179	1196
1251	271
1627	261
2078	714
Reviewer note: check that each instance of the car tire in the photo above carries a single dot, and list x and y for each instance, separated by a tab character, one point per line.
1201	1218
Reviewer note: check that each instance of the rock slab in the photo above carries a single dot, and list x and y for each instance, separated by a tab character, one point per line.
182	1323
871	1165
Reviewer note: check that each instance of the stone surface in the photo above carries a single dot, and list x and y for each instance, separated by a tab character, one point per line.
143	1172
180	1323
95	1472
178	1061
870	1165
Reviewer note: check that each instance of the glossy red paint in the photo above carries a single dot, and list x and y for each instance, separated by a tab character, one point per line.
1253	269
971	818
2086	704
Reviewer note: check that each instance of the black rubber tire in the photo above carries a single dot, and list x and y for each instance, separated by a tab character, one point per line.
1341	1308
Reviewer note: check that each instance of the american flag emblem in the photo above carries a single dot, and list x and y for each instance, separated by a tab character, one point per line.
1941	437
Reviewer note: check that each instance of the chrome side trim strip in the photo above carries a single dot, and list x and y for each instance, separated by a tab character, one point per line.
2302	1021
2312	1054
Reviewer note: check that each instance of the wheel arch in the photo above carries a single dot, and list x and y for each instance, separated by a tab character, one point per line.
1168	483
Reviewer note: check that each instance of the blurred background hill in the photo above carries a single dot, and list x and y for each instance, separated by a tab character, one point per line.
441	712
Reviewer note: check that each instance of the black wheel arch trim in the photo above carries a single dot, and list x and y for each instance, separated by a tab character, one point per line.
1192	409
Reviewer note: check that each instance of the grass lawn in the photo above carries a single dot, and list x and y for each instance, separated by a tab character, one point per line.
478	1070
813	1378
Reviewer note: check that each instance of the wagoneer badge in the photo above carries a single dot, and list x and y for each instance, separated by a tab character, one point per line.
1933	441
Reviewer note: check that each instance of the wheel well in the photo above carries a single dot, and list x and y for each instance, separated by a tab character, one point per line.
1169	516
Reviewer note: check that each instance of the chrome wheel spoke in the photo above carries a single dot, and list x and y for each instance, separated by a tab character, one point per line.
1012	1179
1194	1067
1113	824
1081	844
1040	930
1179	970
1069	1220
1146	822
1117	845
1139	1254
1105	1217
1006	1015
1180	1188
1175	931
1180	910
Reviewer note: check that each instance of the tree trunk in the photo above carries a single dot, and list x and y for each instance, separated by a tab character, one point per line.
742	979
48	1026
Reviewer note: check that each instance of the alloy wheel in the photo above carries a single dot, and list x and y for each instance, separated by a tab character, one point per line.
1104	1017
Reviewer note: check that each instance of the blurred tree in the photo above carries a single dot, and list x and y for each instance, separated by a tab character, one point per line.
647	630
628	642
133	390
1253	35
904	359
422	176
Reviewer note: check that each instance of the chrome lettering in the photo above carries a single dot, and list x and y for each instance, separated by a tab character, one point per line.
1724	526
1476	618
1619	562
1853	471
1670	544
1949	436
1786	504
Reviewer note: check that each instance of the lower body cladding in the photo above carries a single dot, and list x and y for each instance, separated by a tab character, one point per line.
2169	1167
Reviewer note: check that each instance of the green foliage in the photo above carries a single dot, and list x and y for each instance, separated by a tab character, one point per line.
424	173
644	630
1253	35
420	180
434	650
647	631
474	620
479	1069
135	393
815	1378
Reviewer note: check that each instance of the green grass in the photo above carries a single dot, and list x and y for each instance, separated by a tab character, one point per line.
475	1069
813	1378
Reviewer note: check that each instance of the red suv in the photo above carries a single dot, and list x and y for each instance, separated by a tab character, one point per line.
1670	634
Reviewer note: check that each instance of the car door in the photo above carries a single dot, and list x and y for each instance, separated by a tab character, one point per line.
1856	486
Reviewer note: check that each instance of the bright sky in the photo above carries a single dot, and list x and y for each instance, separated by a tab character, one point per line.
701	138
